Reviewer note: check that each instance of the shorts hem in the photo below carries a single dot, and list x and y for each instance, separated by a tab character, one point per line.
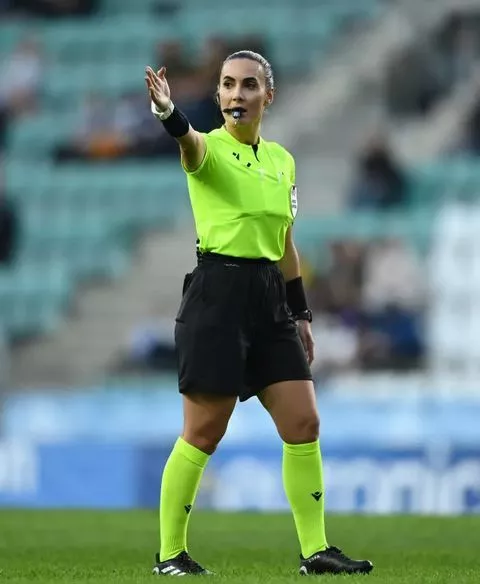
211	392
257	389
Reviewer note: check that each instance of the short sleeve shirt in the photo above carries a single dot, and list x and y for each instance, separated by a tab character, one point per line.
243	198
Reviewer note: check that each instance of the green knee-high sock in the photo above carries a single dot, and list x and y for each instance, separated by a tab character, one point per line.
303	484
181	479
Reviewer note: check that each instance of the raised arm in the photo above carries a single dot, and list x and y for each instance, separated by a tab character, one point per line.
192	143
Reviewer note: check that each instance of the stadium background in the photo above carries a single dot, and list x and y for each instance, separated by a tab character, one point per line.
378	100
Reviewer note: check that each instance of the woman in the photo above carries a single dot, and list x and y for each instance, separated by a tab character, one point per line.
243	327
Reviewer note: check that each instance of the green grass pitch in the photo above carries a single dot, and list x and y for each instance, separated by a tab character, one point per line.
118	547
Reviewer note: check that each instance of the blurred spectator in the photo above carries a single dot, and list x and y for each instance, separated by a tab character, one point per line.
345	275
9	227
171	54
54	8
368	303
414	81
426	72
141	138
470	136
151	347
20	79
98	136
393	276
254	42
465	53
3	127
338	288
390	339
393	298
459	42
380	182
334	295
215	49
336	346
115	131
199	86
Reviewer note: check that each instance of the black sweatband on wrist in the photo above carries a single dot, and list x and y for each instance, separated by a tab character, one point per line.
176	124
296	299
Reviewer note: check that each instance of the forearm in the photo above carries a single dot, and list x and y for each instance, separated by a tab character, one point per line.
290	267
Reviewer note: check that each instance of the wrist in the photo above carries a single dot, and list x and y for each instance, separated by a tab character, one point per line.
174	121
296	299
162	114
305	315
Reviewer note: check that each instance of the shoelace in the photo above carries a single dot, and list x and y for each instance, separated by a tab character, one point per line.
191	563
337	551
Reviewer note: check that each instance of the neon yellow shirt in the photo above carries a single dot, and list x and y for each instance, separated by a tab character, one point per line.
243	200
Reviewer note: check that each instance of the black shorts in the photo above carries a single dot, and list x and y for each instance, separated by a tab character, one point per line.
234	334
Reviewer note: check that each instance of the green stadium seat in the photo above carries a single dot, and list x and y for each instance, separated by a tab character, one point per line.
97	256
442	180
313	235
128	7
34	137
32	297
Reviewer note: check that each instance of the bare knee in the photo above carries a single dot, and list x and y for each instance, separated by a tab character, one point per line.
205	436
293	408
301	428
206	420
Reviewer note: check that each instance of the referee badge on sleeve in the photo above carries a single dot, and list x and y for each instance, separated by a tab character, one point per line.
294	200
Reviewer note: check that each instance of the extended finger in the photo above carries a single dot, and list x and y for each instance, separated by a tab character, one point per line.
152	76
153	87
154	98
150	86
156	82
305	345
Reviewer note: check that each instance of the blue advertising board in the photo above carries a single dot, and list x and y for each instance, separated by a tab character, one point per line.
362	479
67	475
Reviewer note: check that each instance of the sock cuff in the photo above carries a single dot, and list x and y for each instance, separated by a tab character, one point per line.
192	453
301	449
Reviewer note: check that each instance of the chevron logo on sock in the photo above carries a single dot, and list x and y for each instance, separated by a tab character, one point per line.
188	508
317	495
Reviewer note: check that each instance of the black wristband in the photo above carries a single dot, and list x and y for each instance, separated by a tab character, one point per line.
176	124
296	299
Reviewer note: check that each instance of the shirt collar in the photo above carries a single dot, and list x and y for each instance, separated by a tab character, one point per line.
233	140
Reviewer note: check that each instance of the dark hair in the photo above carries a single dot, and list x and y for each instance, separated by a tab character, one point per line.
267	68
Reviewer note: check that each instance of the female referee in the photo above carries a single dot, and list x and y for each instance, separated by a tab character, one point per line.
243	326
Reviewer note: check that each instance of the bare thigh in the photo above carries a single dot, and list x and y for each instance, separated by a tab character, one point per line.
205	420
293	408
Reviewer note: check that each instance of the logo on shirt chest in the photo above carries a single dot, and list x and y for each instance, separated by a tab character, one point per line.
262	172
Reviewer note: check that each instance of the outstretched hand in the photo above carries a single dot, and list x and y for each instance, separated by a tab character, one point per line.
158	88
